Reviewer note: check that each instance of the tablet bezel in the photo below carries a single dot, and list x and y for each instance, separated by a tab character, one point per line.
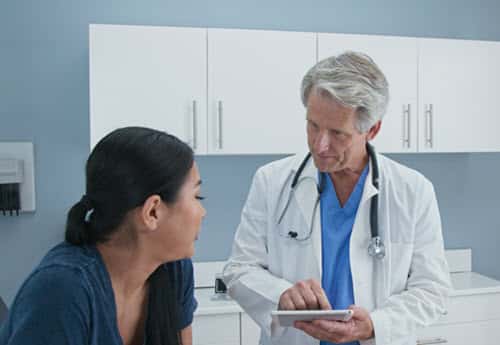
286	318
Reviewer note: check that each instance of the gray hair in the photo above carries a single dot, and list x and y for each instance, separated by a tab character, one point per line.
355	81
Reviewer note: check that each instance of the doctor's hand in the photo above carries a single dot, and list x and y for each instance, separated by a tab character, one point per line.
303	295
359	327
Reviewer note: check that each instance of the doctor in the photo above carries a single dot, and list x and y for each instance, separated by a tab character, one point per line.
341	227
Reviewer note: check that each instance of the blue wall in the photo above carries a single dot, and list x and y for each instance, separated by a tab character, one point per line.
44	99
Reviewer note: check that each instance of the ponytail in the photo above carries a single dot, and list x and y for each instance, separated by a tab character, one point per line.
77	225
162	324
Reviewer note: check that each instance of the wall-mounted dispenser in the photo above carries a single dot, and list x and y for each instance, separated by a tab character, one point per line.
17	180
11	176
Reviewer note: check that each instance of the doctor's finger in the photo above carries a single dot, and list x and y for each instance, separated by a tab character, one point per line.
308	295
316	332
297	299
321	297
342	329
286	302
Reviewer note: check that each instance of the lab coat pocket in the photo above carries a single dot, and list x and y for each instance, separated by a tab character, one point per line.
400	263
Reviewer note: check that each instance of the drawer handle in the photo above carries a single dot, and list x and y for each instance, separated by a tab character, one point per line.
195	127
429	131
430	341
220	111
406	126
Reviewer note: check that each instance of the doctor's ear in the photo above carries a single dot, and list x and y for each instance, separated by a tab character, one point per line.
373	131
151	212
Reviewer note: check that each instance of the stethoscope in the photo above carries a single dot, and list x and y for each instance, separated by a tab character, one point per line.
376	246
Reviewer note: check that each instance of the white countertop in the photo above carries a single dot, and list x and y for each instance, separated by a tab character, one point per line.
209	303
464	283
472	283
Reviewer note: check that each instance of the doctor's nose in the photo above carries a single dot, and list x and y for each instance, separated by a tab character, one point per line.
322	143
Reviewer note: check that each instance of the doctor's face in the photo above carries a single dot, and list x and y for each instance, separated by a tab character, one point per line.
333	139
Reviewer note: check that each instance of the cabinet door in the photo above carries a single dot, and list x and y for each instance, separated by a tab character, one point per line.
216	329
397	58
250	330
148	76
254	82
477	333
458	92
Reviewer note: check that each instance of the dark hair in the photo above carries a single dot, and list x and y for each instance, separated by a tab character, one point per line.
124	169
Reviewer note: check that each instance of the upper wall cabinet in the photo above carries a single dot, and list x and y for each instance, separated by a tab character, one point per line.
238	91
254	90
148	76
397	58
158	77
459	84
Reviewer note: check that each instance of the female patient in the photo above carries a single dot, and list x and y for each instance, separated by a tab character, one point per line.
107	283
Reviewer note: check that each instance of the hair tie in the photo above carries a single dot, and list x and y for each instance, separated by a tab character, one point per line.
86	202
89	207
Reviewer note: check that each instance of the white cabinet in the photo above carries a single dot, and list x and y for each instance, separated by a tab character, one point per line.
477	333
235	328
148	76
254	82
160	77
473	317
456	81
216	329
458	91
397	58
238	91
250	331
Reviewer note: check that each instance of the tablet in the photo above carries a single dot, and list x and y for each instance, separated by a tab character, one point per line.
286	318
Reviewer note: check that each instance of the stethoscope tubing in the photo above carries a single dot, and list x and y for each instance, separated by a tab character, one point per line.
376	247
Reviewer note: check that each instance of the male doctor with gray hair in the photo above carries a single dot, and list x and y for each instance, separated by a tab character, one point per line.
341	227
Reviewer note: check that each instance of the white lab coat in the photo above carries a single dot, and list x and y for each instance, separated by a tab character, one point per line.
406	290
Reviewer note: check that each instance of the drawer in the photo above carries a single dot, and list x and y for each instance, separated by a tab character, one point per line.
472	333
472	308
216	329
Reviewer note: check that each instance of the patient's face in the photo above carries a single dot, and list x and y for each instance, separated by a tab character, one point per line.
183	223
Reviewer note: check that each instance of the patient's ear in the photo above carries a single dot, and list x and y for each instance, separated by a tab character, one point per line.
151	212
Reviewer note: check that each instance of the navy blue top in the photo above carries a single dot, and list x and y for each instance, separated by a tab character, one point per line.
336	229
68	300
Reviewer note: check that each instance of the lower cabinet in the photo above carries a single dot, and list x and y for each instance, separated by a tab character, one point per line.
250	331
477	333
225	329
471	319
216	329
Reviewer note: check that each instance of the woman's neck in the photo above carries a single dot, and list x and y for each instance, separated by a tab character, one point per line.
129	266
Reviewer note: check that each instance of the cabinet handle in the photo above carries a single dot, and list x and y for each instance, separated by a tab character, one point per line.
195	126
220	110
430	341
428	125
406	125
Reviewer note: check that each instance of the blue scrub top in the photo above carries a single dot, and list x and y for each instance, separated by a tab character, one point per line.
336	229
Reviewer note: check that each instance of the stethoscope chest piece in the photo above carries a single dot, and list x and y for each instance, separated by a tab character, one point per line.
376	248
